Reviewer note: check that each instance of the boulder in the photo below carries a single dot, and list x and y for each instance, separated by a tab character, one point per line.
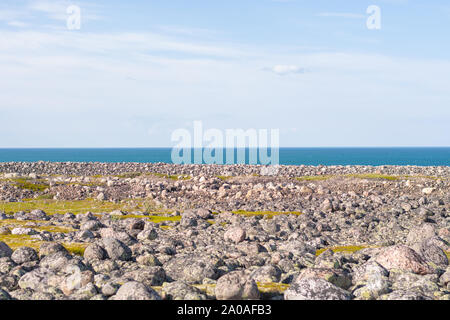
24	255
236	286
116	249
135	291
403	258
315	289
5	250
235	234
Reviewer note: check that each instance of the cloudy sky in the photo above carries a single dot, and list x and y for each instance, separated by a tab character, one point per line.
137	70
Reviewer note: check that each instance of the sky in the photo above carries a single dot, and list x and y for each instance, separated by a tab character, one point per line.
135	71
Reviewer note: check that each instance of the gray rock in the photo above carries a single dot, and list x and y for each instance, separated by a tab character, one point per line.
110	289
420	233
136	291
369	270
4	231
4	295
404	295
266	274
23	231
150	276
179	290
91	225
8	282
149	260
48	248
337	277
236	286
37	215
94	252
5	250
403	258
235	234
432	253
445	277
55	261
149	234
35	280
24	255
116	249
315	289
191	269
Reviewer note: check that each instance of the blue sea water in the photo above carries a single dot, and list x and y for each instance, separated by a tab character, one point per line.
288	156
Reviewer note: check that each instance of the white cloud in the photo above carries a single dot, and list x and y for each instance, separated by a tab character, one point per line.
11	15
286	69
185	31
116	86
18	24
134	44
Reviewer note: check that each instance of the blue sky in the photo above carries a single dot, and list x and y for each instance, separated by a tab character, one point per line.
138	70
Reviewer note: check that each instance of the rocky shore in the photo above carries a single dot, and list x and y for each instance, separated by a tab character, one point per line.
78	231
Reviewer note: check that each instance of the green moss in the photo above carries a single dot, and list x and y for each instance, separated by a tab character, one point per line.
208	289
268	214
224	178
314	178
272	287
54	229
129	175
373	176
171	177
76	248
17	241
28	184
44	197
77	206
45	226
159	219
347	249
265	288
153	218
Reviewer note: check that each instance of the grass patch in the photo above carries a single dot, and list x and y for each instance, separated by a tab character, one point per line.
224	178
152	218
54	229
129	175
76	248
29	224
76	206
265	288
171	177
272	287
17	241
373	176
345	249
314	178
28	184
268	214
45	197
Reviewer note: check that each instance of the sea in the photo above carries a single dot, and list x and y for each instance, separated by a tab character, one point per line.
414	156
